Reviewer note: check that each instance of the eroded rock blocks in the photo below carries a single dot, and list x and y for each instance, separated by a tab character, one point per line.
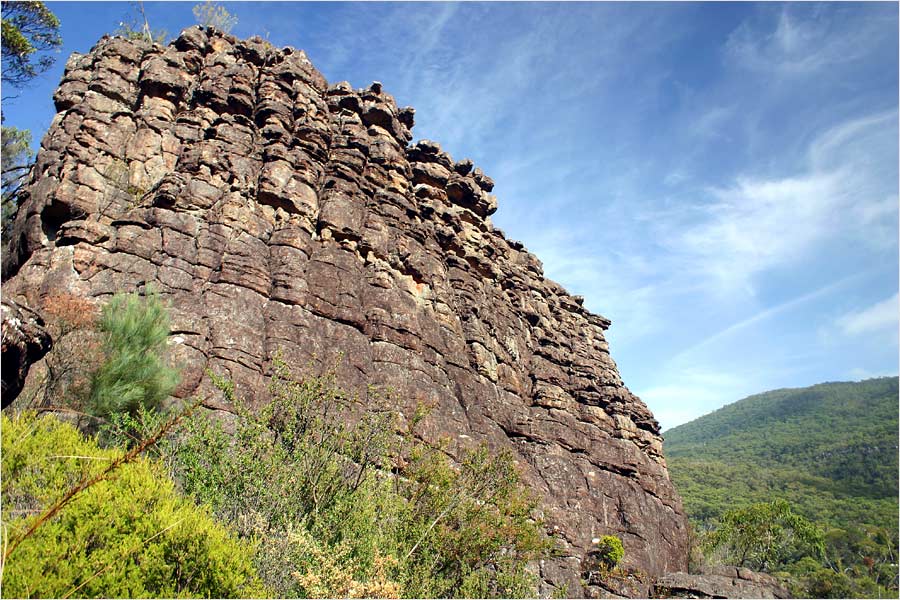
277	213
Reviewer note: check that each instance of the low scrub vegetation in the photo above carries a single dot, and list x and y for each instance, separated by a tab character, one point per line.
313	494
609	551
361	509
128	535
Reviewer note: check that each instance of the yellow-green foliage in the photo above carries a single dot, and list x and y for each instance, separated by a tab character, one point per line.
610	550
764	536
129	535
350	508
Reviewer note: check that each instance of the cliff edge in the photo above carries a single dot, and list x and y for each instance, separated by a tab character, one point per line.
275	212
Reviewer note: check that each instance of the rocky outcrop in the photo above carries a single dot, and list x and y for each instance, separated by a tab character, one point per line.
276	212
24	342
721	582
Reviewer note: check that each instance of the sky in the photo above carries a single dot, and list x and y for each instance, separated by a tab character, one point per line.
718	179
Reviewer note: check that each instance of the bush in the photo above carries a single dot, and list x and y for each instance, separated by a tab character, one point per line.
609	551
213	14
765	537
136	27
129	535
361	509
133	372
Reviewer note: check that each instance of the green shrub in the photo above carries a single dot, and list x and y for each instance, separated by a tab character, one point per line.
609	551
765	537
133	372
362	509
814	580
129	535
213	14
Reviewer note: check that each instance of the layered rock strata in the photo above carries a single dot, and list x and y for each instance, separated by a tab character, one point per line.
278	213
719	582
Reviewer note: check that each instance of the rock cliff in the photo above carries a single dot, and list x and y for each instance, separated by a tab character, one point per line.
275	212
24	342
719	582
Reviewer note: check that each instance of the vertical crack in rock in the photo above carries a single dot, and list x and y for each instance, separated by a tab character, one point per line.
277	213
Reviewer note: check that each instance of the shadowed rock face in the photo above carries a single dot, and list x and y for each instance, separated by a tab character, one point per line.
277	213
25	341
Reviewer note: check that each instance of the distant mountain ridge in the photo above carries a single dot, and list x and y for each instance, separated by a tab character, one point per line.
829	449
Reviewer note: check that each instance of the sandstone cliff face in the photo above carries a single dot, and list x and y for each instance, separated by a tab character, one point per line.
277	213
719	582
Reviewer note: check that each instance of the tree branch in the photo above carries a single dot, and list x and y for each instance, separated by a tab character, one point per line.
88	482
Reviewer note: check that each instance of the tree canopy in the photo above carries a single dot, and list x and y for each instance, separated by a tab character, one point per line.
830	450
30	34
765	536
14	163
29	37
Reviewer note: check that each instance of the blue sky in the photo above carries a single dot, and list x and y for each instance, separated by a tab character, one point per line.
719	179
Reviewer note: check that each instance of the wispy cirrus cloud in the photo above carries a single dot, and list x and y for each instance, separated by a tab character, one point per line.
614	284
724	190
756	223
756	320
880	317
802	46
713	122
691	393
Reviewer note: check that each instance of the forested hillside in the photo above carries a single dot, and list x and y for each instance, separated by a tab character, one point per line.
829	450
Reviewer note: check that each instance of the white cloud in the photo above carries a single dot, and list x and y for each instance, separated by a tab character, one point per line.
847	139
675	177
669	223
712	123
879	317
651	261
768	313
796	47
761	223
757	223
691	393
876	211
